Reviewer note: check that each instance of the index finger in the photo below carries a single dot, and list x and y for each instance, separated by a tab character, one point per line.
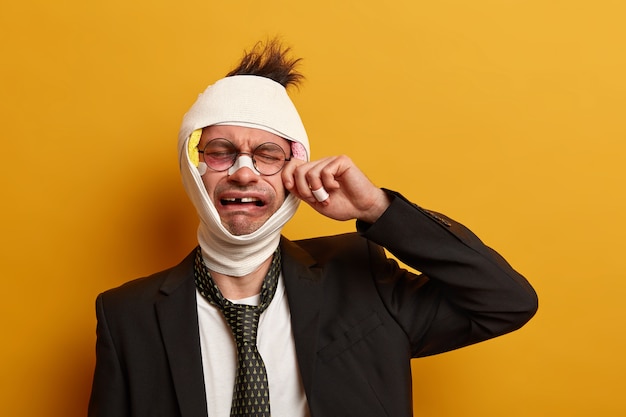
287	173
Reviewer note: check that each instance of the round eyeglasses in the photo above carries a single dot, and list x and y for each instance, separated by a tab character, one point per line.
220	154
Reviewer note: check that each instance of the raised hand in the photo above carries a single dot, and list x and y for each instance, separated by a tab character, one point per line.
351	195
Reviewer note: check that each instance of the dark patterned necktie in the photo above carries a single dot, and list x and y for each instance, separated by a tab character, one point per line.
251	393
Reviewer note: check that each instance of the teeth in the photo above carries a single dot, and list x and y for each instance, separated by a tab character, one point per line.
243	200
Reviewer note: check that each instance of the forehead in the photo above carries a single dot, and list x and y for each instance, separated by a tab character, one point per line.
242	136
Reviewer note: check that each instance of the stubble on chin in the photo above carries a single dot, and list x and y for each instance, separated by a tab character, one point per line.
238	228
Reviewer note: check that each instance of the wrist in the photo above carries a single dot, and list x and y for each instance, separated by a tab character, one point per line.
381	204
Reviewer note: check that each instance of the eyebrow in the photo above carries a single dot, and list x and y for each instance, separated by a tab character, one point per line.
253	146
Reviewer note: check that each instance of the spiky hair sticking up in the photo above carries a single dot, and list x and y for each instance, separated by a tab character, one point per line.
271	60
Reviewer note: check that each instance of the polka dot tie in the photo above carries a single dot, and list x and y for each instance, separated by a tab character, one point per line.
251	392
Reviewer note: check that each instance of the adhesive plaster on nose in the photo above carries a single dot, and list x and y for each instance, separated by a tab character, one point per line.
244	161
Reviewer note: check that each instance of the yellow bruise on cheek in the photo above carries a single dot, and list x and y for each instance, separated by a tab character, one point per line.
192	147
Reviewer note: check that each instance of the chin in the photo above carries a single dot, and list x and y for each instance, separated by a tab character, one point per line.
238	229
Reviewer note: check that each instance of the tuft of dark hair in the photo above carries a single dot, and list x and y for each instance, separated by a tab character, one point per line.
270	59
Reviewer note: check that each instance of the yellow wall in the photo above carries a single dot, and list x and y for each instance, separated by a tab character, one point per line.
506	115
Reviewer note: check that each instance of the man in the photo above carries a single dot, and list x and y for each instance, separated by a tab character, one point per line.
253	324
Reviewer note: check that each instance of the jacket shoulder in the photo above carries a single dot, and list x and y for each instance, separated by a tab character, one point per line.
343	246
150	287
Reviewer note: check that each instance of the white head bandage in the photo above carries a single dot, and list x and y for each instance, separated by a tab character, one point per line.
248	101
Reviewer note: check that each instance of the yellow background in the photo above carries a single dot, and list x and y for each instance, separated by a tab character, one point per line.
506	115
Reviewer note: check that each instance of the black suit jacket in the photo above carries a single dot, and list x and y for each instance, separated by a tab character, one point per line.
357	318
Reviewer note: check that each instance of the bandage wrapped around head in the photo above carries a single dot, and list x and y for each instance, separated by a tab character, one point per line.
248	101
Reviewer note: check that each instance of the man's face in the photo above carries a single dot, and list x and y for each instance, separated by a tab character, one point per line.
244	199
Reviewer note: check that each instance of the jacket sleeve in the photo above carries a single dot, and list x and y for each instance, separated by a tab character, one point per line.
109	396
466	293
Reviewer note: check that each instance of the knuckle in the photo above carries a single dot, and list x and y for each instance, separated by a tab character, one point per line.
345	159
310	175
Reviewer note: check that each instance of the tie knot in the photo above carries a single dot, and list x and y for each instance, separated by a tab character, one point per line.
244	322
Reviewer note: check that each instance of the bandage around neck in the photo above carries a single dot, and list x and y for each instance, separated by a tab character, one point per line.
247	101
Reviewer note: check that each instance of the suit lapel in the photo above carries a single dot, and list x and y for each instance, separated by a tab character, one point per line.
178	319
303	283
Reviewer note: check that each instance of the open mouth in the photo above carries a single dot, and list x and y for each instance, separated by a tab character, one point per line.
239	201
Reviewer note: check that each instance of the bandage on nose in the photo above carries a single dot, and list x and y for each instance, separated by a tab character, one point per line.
243	161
